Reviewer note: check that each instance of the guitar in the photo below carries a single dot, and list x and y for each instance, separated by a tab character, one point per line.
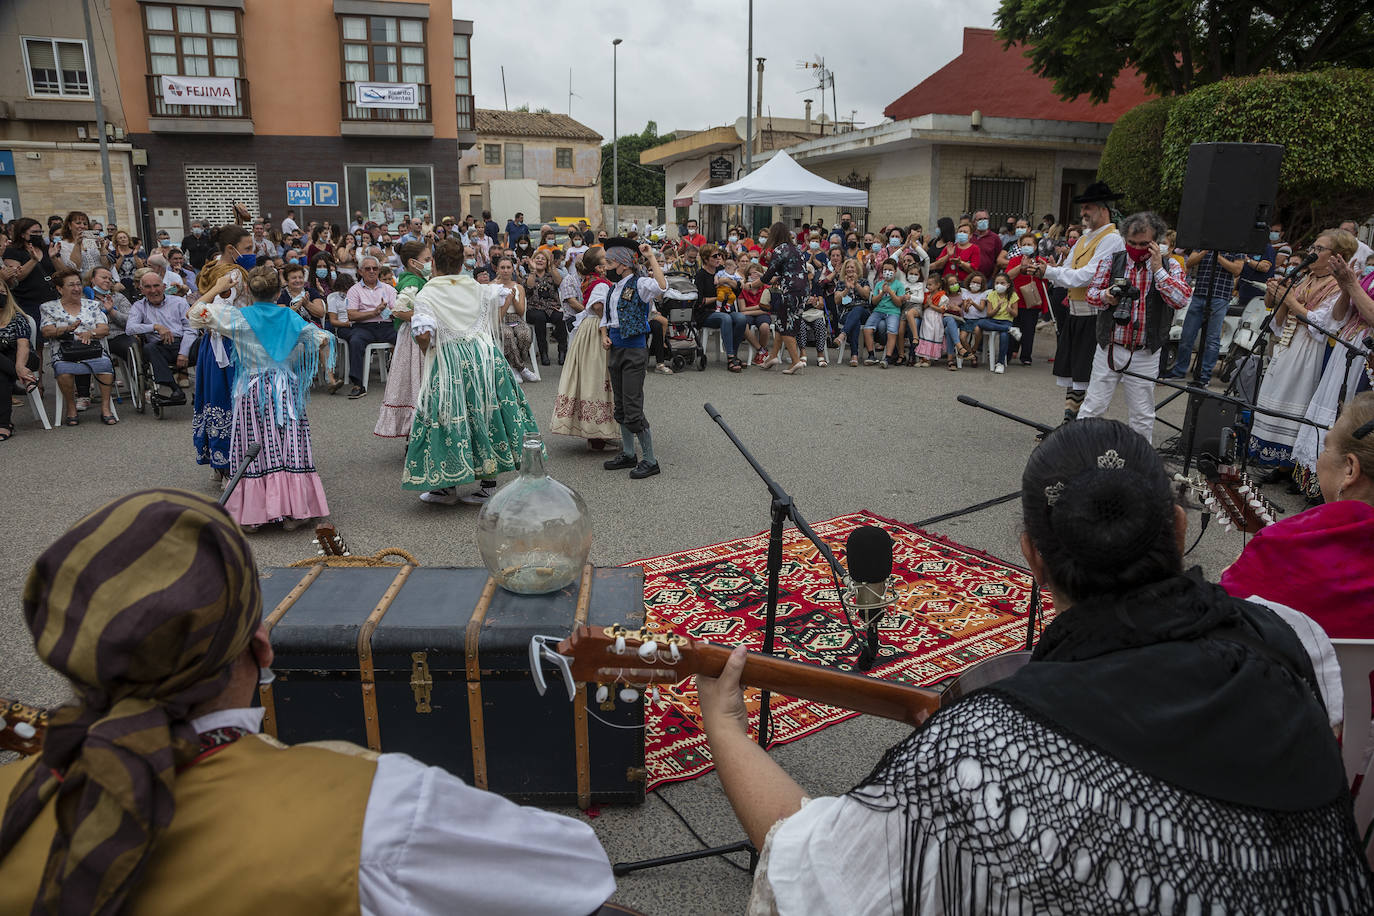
330	542
22	727
614	655
1232	496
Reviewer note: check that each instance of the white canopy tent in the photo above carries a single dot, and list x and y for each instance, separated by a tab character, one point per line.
781	182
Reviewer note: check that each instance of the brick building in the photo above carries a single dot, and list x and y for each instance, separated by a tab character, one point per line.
549	163
357	104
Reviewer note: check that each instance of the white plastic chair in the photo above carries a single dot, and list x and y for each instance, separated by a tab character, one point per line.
1356	658
35	396
58	412
383	354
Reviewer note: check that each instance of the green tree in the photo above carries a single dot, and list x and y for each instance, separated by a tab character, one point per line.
1327	173
640	185
1178	45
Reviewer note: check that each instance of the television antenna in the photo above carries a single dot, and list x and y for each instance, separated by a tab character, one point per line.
571	94
825	78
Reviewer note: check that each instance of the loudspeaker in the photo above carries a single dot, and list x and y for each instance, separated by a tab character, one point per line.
1228	196
1214	419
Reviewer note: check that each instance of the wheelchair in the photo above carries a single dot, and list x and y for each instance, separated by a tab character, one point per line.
143	388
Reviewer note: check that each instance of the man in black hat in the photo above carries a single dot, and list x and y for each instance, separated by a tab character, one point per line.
1077	337
625	333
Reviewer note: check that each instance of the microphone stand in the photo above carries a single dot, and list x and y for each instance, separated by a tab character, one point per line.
248	458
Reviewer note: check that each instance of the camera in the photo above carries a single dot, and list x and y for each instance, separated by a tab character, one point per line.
1125	295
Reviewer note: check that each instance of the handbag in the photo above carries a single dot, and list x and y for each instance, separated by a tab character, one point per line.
1030	295
73	351
812	314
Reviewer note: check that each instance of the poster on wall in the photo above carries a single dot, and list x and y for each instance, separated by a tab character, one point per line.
388	194
421	204
6	209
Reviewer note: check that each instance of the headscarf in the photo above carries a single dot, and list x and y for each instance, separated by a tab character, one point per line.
143	605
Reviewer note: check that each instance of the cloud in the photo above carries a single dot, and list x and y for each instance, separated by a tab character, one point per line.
682	64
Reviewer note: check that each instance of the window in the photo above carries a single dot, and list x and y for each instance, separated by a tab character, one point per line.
562	208
462	80
515	160
383	49
57	68
491	153
193	41
563	157
1000	196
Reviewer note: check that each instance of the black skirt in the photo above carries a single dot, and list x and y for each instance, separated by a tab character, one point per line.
1073	355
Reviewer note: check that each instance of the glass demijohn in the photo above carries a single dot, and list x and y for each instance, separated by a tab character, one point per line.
534	533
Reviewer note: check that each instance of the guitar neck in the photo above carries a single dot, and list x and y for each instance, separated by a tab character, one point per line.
887	699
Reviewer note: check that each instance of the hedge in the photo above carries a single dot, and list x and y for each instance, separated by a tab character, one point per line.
1130	160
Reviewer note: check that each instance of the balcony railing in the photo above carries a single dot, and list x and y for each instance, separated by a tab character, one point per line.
354	112
160	109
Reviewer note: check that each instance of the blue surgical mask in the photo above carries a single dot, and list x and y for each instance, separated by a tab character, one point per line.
470	263
1020	231
982	225
247	261
322	272
1273	236
876	247
734	238
895	240
814	245
961	238
196	231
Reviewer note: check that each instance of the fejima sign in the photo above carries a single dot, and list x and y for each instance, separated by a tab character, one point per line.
722	169
199	90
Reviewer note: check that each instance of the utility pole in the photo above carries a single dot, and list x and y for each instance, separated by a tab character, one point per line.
747	216
99	117
615	139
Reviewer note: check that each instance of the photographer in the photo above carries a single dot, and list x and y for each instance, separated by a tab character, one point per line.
1136	292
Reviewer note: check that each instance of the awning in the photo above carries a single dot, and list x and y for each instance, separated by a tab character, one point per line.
689	190
782	182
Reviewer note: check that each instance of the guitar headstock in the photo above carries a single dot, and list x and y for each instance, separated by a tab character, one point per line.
607	656
1231	496
329	541
22	727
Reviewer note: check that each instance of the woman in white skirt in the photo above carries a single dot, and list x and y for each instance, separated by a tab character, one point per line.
585	406
403	378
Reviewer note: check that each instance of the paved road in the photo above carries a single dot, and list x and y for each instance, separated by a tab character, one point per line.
839	439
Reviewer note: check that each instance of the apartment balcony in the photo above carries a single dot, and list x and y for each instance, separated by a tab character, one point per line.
168	118
364	121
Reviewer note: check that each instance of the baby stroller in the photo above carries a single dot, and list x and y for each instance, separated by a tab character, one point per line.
684	338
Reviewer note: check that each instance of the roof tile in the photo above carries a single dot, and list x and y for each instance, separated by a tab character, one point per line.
532	124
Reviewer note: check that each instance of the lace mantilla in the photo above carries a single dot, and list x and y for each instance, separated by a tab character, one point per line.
1005	814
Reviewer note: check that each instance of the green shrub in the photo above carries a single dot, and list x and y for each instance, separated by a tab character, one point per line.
1130	161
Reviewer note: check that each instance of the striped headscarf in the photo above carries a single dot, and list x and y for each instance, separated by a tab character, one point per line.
143	605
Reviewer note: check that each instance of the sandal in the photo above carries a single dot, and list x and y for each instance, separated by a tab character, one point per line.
108	419
72	421
822	363
795	367
853	362
734	365
335	384
953	367
6	432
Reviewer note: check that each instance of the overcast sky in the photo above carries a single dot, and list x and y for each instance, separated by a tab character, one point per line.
682	63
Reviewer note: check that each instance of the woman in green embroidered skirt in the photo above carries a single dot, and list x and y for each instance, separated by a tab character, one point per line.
471	418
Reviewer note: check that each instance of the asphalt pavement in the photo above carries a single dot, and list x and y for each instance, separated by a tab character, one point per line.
839	439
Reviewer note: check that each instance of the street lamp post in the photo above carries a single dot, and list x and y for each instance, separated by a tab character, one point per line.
615	141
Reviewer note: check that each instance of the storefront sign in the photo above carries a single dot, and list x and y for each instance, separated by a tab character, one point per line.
6	162
387	95
722	169
199	90
298	194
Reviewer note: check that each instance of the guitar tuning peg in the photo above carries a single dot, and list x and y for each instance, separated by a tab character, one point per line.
648	650
24	730
619	645
1255	503
602	693
653	694
628	694
673	652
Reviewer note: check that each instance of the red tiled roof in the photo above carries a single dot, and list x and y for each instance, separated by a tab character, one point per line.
982	77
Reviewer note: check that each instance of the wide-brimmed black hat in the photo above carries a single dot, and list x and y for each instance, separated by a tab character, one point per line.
1097	193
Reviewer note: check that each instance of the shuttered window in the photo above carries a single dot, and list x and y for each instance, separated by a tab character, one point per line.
57	68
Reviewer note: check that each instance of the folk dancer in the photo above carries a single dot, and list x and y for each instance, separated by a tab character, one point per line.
624	333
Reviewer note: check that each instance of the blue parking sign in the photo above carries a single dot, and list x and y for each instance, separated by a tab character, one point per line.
326	193
298	194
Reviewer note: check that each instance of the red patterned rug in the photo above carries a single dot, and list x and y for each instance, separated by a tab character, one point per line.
956	607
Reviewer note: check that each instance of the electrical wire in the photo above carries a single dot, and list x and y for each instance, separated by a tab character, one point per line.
698	837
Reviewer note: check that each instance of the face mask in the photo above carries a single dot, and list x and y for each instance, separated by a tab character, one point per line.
1138	252
247	261
763	239
876	247
888	275
953	288
961	238
426	269
982	225
101	290
1001	287
975	287
470	263
164	243
1027	251
1368	269
1020	231
913	279
322	272
1273	236
734	238
814	245
895	240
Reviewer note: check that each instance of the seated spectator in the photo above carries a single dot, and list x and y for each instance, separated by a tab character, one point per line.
718	311
913	308
999	307
369	314
516	335
544	310
850	298
755	304
183	279
728	282
158	322
887	297
1217	718
974	294
17	358
78	325
953	307
103	289
300	298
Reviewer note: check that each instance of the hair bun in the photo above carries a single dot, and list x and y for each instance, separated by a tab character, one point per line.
1107	516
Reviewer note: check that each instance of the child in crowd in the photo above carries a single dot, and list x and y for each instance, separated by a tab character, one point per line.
754	303
387	276
975	292
728	282
953	318
888	294
1000	303
912	308
930	339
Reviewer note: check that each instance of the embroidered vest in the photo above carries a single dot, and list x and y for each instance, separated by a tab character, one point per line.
632	310
259	827
1082	255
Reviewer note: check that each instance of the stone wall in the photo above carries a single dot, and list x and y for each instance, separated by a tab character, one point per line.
70	179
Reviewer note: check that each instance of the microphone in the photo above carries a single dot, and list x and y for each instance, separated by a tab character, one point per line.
868	555
1306	262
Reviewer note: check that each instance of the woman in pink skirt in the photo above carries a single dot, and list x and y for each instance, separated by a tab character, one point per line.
276	354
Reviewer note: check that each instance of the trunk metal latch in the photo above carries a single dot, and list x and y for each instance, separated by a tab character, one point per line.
420	681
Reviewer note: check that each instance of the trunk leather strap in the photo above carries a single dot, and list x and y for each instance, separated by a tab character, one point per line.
581	745
474	677
269	703
366	672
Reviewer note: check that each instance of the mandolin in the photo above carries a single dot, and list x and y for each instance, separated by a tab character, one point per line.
1231	496
22	727
614	655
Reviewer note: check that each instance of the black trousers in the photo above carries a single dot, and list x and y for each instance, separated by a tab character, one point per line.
1026	320
162	357
658	342
359	336
541	321
628	367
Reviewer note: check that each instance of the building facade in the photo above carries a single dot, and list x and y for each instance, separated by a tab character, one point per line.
545	165
49	135
327	107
